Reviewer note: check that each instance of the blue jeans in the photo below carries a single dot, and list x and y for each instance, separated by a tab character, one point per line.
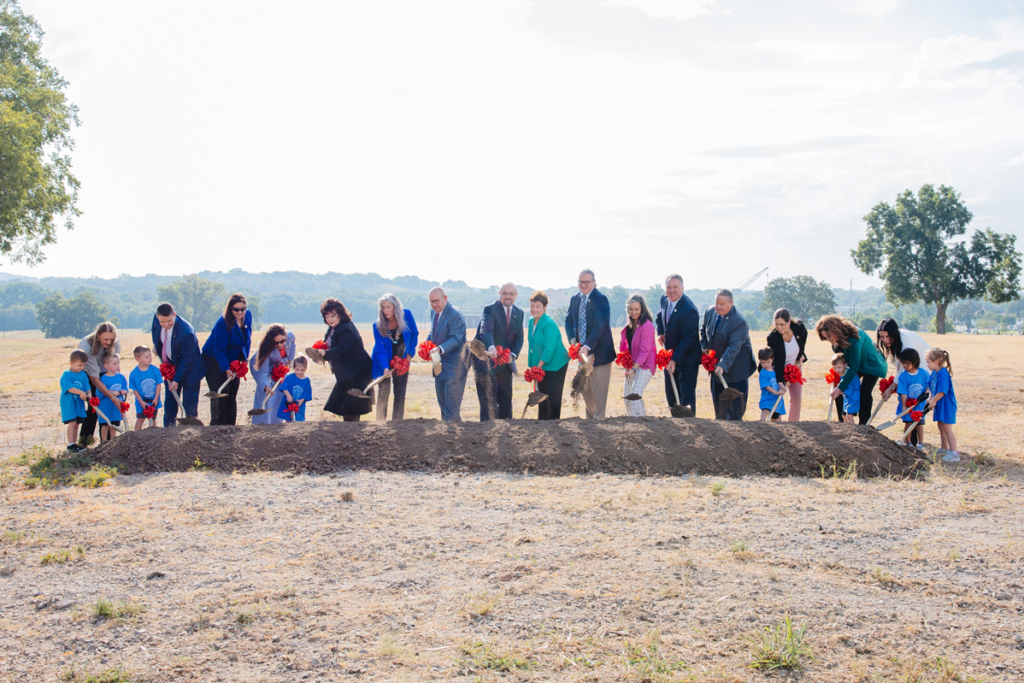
735	409
189	397
449	396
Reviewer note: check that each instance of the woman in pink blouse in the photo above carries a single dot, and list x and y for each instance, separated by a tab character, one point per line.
638	338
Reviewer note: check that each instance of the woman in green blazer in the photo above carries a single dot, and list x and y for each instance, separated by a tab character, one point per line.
548	353
862	357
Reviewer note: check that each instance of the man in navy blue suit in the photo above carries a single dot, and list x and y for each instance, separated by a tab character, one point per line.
679	332
175	342
725	331
589	323
502	325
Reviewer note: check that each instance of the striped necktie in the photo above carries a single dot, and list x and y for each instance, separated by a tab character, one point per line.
583	319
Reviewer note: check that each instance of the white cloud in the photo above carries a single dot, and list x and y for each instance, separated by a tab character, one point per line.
874	9
816	53
1017	160
667	9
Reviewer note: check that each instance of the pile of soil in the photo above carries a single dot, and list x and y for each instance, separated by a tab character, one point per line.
646	446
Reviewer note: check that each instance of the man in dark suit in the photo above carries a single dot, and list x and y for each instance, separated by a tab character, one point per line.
175	342
448	332
589	323
726	331
679	331
502	325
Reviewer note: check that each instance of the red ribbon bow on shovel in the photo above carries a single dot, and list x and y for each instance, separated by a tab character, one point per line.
291	408
400	365
793	375
149	412
241	368
425	348
833	377
502	356
910	402
916	415
278	372
319	345
94	401
533	374
663	358
167	371
709	361
574	351
884	384
125	407
624	359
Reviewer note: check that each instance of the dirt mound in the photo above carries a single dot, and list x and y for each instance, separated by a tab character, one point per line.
648	446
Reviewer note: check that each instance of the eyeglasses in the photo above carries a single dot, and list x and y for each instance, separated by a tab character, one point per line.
238	310
585	282
281	343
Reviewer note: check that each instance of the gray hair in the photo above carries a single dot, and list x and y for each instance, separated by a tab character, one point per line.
437	289
675	276
509	283
588	271
727	293
382	322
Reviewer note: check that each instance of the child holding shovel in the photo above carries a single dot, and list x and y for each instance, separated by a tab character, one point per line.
942	401
117	385
297	391
912	382
74	392
145	382
851	397
772	404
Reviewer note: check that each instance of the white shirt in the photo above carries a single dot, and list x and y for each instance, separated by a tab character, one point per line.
910	340
165	339
792	350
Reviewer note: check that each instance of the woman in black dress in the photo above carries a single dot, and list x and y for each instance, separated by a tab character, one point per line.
349	362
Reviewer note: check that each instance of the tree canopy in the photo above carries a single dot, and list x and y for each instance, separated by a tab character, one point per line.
37	187
802	295
913	246
61	317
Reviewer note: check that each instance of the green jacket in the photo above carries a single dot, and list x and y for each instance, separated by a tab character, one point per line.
862	357
546	344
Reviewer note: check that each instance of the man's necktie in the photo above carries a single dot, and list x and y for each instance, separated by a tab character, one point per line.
714	328
668	314
508	318
163	347
583	319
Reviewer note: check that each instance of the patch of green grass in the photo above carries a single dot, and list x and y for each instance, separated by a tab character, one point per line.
116	611
198	466
61	556
246	616
781	647
48	470
478	605
12	536
884	577
717	488
117	675
739	547
478	655
839	478
646	659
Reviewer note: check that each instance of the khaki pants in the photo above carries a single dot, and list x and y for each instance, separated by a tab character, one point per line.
384	394
595	393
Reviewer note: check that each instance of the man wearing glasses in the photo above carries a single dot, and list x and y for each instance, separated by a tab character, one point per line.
588	322
175	342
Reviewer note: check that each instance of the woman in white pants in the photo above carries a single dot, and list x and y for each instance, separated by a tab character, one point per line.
638	338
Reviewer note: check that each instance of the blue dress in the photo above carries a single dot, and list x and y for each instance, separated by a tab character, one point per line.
114	385
299	389
912	386
262	377
768	380
945	408
72	407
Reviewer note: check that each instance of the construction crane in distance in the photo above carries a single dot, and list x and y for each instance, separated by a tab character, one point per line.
746	283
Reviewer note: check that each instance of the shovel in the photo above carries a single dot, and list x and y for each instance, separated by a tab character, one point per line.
831	402
775	407
913	425
218	393
315	355
365	392
678	410
182	417
875	411
117	428
890	423
535	398
263	408
728	394
476	347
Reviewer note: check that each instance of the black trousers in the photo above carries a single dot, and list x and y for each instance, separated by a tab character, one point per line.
552	385
486	390
88	428
503	391
686	383
737	407
223	411
867	399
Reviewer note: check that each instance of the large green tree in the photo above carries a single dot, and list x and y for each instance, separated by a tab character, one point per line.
802	295
61	317
913	245
37	187
198	300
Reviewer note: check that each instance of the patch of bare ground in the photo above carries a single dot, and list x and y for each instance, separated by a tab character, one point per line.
382	576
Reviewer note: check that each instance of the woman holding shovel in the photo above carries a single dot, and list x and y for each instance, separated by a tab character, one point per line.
349	362
230	340
787	341
637	338
546	352
103	340
277	348
394	337
862	359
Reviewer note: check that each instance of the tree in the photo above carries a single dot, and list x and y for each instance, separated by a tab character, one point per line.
35	119
911	322
198	300
802	295
912	245
61	317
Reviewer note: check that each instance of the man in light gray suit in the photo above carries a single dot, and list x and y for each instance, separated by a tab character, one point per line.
448	332
726	331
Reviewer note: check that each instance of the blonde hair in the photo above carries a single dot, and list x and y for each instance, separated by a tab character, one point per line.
940	356
110	356
139	350
300	360
94	338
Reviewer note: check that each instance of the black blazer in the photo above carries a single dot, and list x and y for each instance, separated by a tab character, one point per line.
496	333
682	333
347	356
599	330
778	346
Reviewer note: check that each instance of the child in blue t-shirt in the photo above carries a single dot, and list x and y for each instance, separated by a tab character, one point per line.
770	390
912	383
297	389
943	401
74	397
851	396
117	384
145	381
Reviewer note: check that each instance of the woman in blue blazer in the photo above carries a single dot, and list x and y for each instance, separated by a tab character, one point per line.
229	341
393	337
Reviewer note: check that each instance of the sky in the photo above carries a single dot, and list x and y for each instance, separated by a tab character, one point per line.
493	141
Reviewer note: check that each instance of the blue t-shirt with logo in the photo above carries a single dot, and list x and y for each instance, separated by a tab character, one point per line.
114	384
147	382
299	389
71	405
767	380
912	386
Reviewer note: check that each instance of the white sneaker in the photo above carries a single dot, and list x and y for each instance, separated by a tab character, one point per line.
920	446
951	456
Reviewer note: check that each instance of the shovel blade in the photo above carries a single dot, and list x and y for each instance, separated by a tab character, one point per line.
681	411
214	394
314	354
357	393
257	411
476	347
535	397
190	421
885	425
632	397
729	395
437	368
